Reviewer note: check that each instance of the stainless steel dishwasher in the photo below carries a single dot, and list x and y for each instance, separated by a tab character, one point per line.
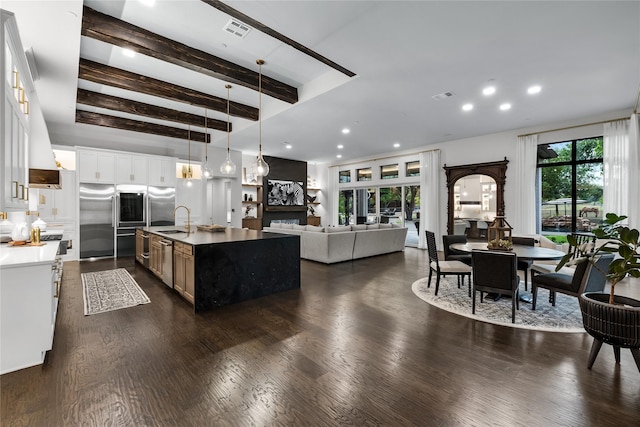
167	262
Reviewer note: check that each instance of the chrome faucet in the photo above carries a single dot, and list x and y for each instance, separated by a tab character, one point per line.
188	217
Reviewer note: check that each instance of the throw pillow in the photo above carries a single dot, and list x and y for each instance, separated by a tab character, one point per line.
315	228
299	227
276	225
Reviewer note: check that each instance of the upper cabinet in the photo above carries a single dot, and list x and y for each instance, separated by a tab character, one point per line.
59	205
15	90
162	171
131	169
96	167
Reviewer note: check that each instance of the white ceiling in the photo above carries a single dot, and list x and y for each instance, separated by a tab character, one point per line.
585	55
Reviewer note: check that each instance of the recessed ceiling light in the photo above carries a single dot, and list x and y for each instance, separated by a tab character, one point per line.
340	146
396	144
339	156
288	146
148	2
489	90
534	89
506	106
467	107
128	52
345	131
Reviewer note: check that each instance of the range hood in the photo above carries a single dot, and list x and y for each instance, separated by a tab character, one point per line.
44	178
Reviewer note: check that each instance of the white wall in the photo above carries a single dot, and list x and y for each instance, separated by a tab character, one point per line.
494	147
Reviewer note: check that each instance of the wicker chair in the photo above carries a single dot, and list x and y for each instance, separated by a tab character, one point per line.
616	325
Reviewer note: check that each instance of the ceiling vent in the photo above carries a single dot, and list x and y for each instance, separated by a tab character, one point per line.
237	28
443	95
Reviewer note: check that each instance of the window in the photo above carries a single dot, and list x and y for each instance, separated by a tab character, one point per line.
344	176
570	185
389	171
413	169
364	174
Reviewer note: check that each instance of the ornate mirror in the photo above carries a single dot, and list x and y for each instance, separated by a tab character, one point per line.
486	179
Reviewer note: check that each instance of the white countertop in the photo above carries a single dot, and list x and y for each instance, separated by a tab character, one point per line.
19	256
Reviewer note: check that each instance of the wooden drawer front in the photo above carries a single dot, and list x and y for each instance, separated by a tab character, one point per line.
187	249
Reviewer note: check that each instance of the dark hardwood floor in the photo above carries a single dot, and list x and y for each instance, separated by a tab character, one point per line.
353	346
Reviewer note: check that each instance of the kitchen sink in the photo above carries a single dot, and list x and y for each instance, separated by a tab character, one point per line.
171	231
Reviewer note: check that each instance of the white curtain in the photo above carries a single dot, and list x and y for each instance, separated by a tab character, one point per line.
634	171
524	209
430	170
616	167
333	194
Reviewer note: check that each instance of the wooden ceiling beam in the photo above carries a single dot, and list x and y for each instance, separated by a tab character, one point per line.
217	4
110	102
111	30
111	76
114	122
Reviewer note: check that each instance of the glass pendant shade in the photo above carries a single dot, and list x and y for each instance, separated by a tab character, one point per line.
260	167
207	172
228	167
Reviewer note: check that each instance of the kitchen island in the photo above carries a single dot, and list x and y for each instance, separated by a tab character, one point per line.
213	269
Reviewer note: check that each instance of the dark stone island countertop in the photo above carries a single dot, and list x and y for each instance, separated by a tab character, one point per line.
198	237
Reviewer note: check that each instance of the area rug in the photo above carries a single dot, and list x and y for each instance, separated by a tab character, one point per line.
110	290
564	317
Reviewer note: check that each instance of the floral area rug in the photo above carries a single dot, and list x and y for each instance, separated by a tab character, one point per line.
564	317
110	290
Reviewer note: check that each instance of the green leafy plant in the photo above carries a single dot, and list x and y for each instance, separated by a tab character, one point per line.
621	241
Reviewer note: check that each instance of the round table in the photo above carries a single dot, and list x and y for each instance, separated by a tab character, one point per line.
535	253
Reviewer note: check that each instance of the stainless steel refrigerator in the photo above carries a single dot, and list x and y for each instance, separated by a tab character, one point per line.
97	220
162	202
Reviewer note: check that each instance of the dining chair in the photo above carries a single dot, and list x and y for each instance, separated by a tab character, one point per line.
444	268
587	277
581	238
496	272
453	254
524	265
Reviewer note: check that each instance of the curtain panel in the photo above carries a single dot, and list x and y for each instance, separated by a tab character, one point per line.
634	171
617	166
430	212
524	209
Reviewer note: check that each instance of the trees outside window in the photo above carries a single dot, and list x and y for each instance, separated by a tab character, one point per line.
570	185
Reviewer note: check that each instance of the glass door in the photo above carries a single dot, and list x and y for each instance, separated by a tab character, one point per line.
345	207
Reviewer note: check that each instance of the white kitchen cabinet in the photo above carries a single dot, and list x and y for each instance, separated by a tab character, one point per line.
30	281
59	205
162	171
96	166
14	120
131	169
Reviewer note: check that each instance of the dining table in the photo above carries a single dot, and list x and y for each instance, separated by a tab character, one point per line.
533	253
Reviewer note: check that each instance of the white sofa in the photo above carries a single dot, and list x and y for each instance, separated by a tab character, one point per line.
343	243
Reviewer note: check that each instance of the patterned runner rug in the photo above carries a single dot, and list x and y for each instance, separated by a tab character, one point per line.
110	290
564	317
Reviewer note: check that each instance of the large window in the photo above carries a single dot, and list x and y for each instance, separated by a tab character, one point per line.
570	185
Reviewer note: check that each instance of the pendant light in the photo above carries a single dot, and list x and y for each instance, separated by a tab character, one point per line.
260	167
188	182
207	172
228	167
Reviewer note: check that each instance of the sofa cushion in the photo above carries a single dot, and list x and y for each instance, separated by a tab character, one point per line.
315	228
299	227
358	227
275	224
386	225
373	226
287	226
337	229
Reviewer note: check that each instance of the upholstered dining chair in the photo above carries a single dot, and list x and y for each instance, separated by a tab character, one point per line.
581	238
585	278
452	254
444	268
496	272
524	265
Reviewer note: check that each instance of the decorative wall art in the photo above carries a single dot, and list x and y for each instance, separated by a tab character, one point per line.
285	193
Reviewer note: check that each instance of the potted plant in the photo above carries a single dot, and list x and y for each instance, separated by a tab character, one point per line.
612	319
